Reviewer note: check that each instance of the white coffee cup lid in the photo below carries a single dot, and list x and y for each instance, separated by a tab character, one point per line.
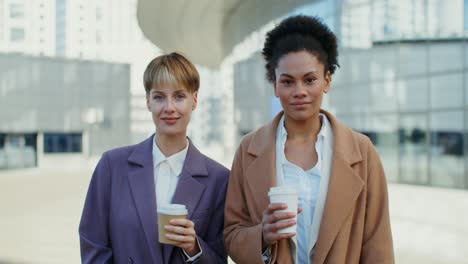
172	209
282	190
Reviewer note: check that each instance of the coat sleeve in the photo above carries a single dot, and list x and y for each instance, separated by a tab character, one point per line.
212	243
377	242
242	237
94	230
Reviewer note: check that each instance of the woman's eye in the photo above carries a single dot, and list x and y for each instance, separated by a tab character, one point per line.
286	82
310	80
180	96
157	97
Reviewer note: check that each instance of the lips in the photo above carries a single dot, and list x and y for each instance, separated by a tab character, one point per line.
170	120
300	103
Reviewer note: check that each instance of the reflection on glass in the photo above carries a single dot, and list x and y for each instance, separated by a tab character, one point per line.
356	27
395	19
413	149
413	94
445	56
339	99
384	96
356	122
444	20
446	91
358	65
447	162
359	98
385	139
412	59
383	63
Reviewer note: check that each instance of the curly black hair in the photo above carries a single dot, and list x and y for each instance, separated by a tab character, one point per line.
299	33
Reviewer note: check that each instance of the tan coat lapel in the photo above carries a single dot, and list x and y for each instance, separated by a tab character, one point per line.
260	176
261	173
343	189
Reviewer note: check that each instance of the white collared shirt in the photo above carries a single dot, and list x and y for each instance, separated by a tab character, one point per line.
166	173
166	176
308	184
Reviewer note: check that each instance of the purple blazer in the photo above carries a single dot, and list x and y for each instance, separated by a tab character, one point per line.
119	220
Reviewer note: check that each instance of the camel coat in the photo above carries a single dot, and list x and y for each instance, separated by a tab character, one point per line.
355	226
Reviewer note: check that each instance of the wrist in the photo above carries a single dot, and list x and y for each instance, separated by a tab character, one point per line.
194	250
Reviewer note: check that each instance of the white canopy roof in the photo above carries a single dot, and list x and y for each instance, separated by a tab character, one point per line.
206	30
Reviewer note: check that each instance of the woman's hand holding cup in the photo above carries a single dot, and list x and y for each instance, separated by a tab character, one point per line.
182	231
175	229
279	218
274	220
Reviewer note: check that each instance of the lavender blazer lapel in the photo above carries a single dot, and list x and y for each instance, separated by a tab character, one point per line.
141	178
188	191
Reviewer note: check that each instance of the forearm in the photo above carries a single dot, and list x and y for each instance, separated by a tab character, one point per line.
244	244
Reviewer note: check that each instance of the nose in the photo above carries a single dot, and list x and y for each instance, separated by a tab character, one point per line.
170	107
300	90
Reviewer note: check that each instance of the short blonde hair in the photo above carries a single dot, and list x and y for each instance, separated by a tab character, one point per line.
173	69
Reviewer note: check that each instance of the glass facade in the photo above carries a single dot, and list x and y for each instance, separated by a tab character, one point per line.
402	82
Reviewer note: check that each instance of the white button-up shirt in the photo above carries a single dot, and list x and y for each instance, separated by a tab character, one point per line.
166	176
307	183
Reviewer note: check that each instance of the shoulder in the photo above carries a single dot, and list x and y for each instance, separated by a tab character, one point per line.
215	168
348	138
363	141
261	135
119	153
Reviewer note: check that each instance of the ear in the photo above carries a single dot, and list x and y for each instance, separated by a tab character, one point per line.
147	102
195	100
326	89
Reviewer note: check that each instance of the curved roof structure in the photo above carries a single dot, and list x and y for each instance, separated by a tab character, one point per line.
206	30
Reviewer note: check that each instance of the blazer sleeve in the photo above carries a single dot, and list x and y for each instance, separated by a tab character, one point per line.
94	230
377	242
242	237
212	244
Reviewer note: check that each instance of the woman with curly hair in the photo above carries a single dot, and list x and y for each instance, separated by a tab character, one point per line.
343	214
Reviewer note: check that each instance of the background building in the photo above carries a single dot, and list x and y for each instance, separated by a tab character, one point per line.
105	31
402	79
52	106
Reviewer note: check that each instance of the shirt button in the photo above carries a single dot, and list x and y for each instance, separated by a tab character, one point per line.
130	260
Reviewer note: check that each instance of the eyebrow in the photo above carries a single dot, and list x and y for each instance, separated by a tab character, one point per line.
176	91
290	76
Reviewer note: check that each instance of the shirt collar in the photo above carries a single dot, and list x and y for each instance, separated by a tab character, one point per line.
176	161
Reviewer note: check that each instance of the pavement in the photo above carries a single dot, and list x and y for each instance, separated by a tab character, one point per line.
40	212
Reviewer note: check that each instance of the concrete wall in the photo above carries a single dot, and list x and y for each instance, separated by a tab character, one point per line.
41	95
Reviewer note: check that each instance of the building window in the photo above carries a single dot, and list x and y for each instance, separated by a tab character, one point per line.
62	142
2	140
16	10
17	34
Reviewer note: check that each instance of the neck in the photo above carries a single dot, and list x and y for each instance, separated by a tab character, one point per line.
169	145
304	129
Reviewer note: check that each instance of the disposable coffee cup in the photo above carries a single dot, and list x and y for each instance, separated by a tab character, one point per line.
287	195
166	213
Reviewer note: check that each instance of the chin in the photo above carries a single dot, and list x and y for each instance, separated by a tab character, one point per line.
300	116
170	131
